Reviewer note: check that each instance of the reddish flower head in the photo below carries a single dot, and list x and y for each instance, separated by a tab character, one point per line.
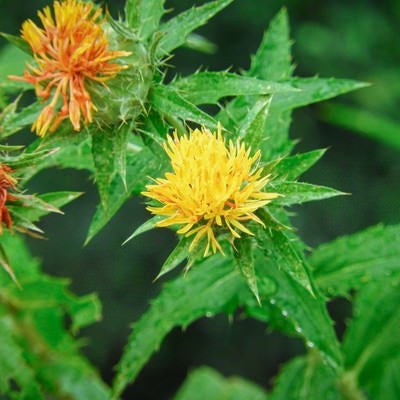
69	50
6	182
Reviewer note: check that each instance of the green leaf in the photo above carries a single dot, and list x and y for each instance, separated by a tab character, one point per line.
177	256
12	121
310	90
209	87
306	378
209	288
367	123
352	261
205	383
14	366
372	338
285	254
145	227
5	264
75	379
132	13
102	149
35	207
290	168
144	15
294	303
74	150
12	62
178	28
245	262
273	58
25	159
154	132
17	42
252	128
35	348
109	147
199	43
140	165
272	62
167	101
19	257
387	384
299	192
44	291
313	90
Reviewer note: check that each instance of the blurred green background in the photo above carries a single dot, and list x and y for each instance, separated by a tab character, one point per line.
341	38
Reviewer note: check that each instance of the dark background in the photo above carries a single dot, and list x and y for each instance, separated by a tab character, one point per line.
346	39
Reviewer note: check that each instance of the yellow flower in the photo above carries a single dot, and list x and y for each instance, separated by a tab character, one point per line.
213	186
71	48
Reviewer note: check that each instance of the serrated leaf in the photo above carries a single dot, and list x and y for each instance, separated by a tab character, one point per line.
211	287
306	378
14	366
26	160
178	28
141	165
35	317
352	261
299	192
145	227
120	149
144	15
313	90
245	262
102	150
85	311
179	254
292	304
272	60
132	13
310	90
372	338
206	383
14	121
290	168
41	290
35	207
74	150
167	101
280	249
75	379
252	128
18	256
209	87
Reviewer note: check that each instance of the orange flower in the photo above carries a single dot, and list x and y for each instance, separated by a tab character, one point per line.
6	182
71	48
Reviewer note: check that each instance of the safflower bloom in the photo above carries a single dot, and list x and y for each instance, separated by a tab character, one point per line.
213	186
6	182
69	50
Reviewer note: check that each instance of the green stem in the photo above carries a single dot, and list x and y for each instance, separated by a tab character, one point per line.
348	386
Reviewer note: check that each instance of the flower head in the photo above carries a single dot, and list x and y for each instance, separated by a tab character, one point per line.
69	50
6	182
214	185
